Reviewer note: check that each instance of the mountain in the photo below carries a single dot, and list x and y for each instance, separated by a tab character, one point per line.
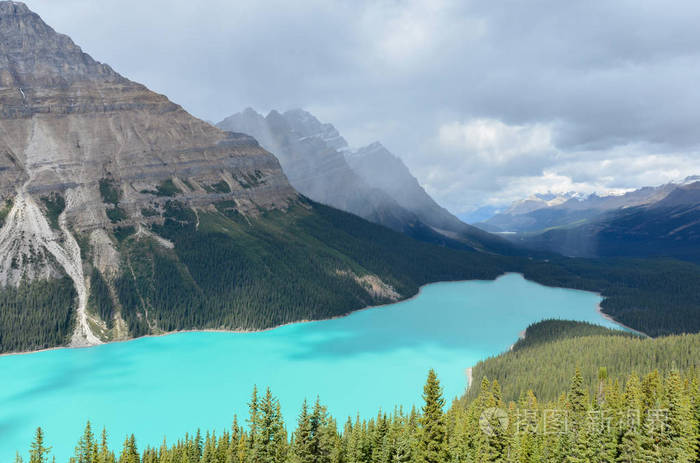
541	212
309	154
370	182
123	215
669	227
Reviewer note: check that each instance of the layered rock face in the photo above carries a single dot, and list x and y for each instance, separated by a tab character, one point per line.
99	152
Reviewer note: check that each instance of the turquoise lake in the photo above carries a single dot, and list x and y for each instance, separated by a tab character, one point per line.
372	359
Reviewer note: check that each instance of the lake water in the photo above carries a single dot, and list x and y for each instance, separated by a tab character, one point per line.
376	358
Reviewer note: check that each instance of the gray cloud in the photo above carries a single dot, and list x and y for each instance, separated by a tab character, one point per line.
612	84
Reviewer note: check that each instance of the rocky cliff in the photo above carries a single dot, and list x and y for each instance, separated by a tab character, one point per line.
85	151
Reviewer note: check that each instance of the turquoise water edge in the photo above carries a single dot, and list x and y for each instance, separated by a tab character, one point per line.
166	386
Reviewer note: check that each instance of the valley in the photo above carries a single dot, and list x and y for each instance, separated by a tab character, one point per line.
156	267
383	352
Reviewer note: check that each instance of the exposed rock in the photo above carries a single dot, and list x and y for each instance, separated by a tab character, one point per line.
68	124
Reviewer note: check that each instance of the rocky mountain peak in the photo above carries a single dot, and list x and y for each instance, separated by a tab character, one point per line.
33	54
86	154
306	124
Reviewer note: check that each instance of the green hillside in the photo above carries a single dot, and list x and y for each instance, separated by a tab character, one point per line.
543	361
231	271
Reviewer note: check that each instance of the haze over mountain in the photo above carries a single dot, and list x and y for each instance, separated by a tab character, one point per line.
310	156
123	215
370	182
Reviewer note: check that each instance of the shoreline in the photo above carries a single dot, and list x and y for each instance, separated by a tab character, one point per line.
241	331
470	371
262	330
609	318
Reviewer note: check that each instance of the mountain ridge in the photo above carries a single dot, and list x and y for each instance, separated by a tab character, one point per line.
151	220
321	165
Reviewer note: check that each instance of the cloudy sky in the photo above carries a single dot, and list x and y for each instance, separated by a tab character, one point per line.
485	101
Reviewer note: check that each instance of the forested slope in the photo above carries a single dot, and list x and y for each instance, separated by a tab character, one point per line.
655	418
222	269
543	361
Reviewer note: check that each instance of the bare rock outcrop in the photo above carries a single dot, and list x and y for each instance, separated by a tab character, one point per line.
73	128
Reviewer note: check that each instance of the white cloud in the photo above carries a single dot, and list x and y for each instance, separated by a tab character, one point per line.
485	101
494	142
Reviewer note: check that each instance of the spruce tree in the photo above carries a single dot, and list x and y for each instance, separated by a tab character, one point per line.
129	453
38	452
86	450
433	442
301	446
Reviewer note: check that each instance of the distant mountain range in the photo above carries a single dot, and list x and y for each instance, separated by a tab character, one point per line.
661	221
370	182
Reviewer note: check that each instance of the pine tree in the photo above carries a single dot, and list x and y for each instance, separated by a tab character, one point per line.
271	439
104	455
253	421
86	450
433	442
301	446
677	436
38	452
129	453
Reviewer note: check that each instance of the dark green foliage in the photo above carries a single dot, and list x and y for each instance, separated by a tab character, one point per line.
221	187
122	233
657	297
553	330
166	188
149	212
246	272
116	214
86	451
433	438
83	240
4	210
44	311
100	300
233	271
634	231
131	303
593	426
55	204
539	365
111	194
228	270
